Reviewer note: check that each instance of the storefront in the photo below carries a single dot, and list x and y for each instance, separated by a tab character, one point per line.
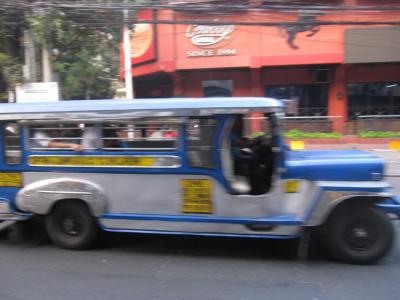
320	72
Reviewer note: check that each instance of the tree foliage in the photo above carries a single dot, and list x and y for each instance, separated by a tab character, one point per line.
85	59
10	65
83	38
11	70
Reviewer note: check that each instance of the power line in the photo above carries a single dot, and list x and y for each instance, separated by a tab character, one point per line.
80	9
299	23
192	5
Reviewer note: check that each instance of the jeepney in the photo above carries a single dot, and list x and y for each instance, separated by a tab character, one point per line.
189	166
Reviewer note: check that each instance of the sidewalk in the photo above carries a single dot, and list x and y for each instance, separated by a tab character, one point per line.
345	142
348	146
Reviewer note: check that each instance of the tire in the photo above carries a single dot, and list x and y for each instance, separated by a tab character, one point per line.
359	234
71	226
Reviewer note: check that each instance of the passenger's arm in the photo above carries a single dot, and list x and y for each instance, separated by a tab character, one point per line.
71	146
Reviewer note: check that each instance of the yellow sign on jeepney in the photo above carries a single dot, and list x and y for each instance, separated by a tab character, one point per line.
196	196
92	161
10	180
291	186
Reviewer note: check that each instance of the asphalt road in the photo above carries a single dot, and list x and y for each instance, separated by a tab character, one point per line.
392	170
187	268
162	267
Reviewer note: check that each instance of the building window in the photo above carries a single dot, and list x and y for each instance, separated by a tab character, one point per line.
301	100
217	88
373	99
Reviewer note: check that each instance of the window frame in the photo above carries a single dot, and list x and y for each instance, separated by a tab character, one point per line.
19	146
100	126
212	147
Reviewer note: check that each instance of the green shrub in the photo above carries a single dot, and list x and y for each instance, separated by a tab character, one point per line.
379	134
298	134
257	134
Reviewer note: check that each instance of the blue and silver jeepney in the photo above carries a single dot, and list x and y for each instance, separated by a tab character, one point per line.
186	166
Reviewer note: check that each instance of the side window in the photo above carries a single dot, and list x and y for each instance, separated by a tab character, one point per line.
55	137
12	144
201	142
145	135
257	124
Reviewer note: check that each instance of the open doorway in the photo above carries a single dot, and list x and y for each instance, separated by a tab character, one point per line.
248	157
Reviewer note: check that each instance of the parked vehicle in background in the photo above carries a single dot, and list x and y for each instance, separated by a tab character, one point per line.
209	166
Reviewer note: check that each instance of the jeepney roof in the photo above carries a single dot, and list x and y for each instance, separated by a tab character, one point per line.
123	108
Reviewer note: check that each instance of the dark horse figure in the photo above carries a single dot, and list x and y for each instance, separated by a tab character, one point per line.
304	23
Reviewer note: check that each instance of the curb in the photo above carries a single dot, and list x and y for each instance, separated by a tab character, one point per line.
347	140
345	143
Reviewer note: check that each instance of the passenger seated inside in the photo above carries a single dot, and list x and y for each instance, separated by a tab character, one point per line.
261	165
91	138
253	161
111	137
155	132
51	138
238	143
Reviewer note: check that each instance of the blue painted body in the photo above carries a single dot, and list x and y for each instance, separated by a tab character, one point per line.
337	165
8	194
274	220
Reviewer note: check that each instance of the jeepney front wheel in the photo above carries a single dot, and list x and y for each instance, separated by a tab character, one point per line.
71	226
359	233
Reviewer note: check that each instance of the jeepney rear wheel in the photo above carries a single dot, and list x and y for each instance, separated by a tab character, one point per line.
359	234
71	226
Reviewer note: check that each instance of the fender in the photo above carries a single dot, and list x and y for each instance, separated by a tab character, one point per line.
330	200
333	194
39	197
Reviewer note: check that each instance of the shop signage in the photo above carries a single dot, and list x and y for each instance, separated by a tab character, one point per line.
209	37
210	52
143	39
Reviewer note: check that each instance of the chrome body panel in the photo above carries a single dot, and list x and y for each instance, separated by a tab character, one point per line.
42	192
159	194
144	193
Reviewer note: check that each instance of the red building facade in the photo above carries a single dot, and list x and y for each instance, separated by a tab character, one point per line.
339	71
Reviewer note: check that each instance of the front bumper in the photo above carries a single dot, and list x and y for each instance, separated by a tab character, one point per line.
391	205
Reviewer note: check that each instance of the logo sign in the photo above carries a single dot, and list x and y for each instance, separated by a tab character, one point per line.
209	35
141	40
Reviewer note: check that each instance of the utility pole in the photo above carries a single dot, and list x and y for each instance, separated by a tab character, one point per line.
46	64
127	56
30	72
